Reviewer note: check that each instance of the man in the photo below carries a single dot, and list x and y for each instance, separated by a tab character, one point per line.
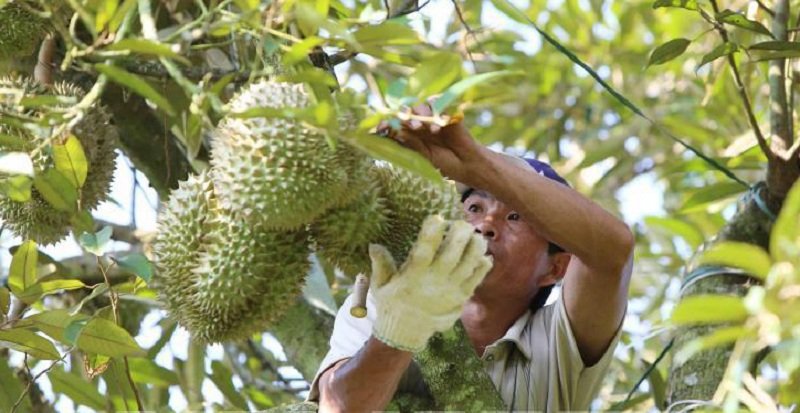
547	359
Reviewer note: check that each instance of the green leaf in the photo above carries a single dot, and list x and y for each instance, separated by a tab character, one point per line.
73	329
137	264
221	376
722	50
17	188
70	160
16	163
702	197
675	226
29	342
506	8
119	16
668	51
96	243
387	33
37	101
81	222
51	322
738	20
148	47
22	273
300	50
718	337
57	190
773	49
5	302
13	143
390	151
709	309
136	84
658	387
76	388
435	74
11	389
748	257
459	88
784	242
105	10
101	336
684	4
146	371
33	293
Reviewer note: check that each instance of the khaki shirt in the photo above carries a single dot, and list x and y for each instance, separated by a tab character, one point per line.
536	365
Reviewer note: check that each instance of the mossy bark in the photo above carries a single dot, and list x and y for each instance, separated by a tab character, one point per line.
304	333
699	377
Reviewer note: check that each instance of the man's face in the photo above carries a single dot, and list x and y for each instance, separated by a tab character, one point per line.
519	253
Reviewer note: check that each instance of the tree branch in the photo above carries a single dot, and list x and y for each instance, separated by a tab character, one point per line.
780	116
751	117
765	8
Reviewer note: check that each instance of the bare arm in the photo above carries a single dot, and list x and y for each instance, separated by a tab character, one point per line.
596	283
364	383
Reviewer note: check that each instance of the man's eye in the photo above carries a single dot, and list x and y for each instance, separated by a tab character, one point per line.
474	208
513	216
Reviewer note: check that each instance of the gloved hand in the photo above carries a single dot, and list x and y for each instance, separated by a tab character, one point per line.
426	294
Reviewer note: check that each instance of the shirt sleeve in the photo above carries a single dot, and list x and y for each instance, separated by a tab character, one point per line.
573	385
349	335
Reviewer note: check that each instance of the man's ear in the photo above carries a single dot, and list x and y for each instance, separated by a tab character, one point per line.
558	268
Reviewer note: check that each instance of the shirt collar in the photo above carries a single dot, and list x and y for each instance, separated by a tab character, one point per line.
515	332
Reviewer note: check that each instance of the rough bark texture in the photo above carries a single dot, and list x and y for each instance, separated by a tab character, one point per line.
699	377
304	333
151	148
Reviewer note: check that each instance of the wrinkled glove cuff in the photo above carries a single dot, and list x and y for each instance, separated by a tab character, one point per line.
403	330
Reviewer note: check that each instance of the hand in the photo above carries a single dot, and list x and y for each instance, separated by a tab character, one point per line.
450	148
427	293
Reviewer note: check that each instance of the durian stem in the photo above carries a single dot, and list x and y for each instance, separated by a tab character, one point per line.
43	72
194	373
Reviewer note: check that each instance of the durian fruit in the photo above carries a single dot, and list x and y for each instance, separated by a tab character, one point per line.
222	278
343	234
409	199
277	172
36	219
389	211
20	30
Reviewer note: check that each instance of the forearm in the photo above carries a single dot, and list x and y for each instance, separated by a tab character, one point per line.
560	214
366	382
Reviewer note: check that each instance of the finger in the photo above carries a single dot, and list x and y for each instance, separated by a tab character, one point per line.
474	251
483	268
428	241
383	265
452	249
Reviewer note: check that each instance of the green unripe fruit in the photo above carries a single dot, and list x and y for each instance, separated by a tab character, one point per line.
409	199
36	219
222	278
20	31
277	172
343	234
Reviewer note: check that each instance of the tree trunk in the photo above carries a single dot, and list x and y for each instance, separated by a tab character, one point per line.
699	377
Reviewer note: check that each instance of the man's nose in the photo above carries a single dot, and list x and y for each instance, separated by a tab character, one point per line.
486	228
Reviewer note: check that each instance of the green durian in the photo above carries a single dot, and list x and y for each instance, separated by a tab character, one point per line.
277	172
36	219
389	211
409	199
222	278
21	31
343	234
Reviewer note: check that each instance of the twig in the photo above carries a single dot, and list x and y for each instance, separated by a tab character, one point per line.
751	117
33	380
765	8
114	297
470	32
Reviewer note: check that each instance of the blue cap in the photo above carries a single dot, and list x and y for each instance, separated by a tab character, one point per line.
540	167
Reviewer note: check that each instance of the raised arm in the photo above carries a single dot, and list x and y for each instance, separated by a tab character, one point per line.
595	286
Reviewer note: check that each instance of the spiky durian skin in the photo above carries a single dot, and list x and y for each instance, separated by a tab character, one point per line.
410	198
20	31
222	278
36	219
343	234
277	172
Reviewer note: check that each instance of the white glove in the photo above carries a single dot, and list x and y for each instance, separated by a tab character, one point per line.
427	293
